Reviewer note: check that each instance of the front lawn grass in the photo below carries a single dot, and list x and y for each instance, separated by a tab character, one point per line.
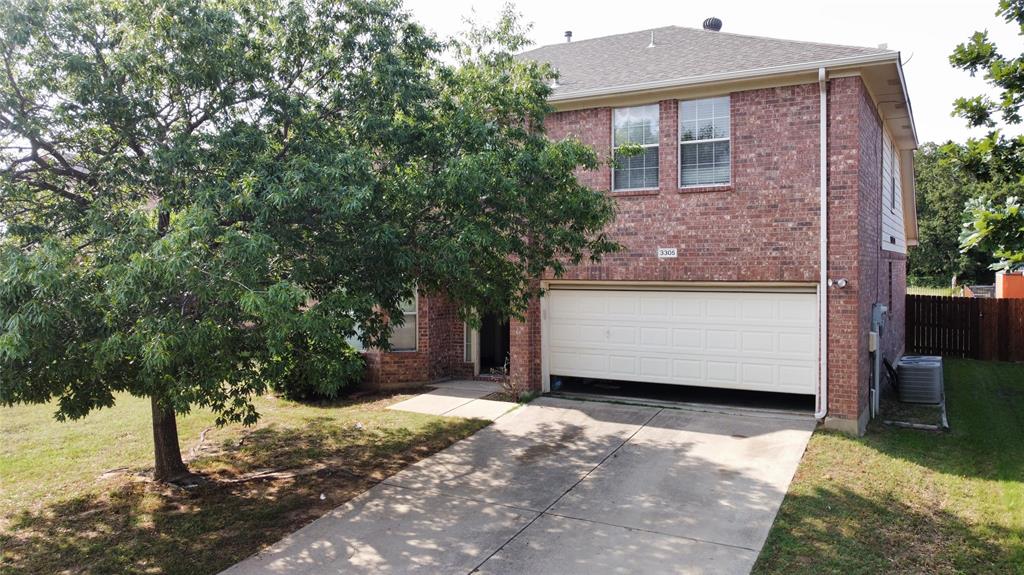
74	497
910	501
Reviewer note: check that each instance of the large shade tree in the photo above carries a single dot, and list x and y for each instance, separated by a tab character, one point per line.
199	198
944	186
997	160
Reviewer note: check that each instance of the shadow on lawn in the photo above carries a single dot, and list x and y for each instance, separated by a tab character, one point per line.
824	532
977	468
136	526
985	402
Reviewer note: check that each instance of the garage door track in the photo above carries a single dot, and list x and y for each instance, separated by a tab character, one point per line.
566	486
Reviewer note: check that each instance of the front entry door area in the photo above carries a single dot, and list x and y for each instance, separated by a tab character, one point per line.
494	345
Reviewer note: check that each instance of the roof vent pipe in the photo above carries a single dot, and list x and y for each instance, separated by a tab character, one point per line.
713	24
651	45
568	35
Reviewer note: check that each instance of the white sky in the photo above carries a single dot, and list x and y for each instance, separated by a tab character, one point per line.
924	31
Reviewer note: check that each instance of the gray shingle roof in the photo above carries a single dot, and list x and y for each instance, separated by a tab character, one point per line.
624	60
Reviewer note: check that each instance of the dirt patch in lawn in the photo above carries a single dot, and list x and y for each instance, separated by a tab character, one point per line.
262	483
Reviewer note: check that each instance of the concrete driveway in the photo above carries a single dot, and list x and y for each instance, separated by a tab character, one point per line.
565	486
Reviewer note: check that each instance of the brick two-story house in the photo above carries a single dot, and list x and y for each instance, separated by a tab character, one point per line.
729	277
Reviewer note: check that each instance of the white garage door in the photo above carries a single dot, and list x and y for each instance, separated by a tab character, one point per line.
737	340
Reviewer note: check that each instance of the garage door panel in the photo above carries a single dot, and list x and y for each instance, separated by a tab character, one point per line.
654	336
655	305
622	365
579	363
592	307
759	341
796	376
563	333
760	373
594	334
656	367
798	344
688	370
722	341
722	372
687	339
722	309
622	335
798	310
687	309
759	310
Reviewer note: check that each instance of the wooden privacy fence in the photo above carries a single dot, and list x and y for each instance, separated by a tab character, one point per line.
978	328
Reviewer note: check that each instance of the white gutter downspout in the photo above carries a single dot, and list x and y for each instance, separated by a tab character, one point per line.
822	408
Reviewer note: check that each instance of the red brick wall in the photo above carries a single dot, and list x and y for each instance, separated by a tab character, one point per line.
846	344
524	349
438	355
764	227
761	227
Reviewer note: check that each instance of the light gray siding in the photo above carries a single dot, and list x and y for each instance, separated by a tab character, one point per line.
893	233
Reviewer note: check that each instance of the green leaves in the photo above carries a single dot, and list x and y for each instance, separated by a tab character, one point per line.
1004	73
211	198
944	184
995	162
998	228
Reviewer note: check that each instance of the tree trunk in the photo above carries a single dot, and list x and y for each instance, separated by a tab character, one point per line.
169	466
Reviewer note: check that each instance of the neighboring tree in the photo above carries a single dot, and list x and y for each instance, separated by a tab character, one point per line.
998	228
944	187
201	198
996	161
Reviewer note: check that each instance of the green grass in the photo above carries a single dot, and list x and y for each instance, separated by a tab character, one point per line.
943	291
59	512
908	501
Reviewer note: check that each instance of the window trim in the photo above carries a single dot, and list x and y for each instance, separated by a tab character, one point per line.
415	325
657	106
680	143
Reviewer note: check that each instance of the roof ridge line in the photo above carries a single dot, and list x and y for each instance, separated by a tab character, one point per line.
811	42
585	40
701	30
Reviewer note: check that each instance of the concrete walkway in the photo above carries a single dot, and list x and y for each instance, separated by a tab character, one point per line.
564	486
458	399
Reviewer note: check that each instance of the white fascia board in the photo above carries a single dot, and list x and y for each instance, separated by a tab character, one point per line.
727	76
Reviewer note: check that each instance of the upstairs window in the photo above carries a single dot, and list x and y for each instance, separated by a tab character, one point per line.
637	125
404	337
704	142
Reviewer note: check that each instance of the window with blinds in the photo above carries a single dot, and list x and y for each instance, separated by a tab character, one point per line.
704	154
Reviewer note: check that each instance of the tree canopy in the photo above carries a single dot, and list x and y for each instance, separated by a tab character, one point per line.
199	197
944	186
996	161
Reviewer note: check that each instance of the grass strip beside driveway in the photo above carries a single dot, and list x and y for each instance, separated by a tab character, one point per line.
909	501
